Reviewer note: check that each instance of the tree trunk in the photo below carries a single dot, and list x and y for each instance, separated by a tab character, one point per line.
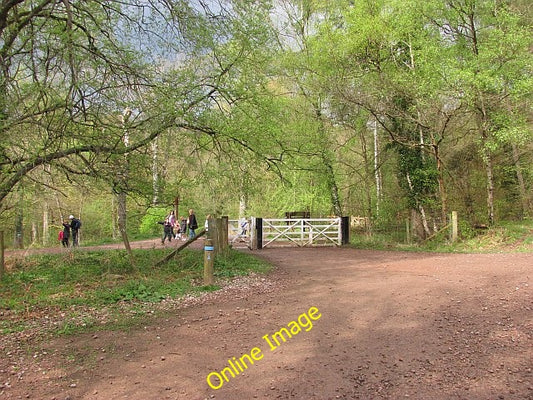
155	175
332	186
420	210
377	172
487	157
46	227
326	157
121	193
18	240
442	187
243	205
368	176
521	182
177	207
114	217
121	203
34	232
490	187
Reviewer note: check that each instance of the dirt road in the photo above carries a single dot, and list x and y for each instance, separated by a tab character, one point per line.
377	325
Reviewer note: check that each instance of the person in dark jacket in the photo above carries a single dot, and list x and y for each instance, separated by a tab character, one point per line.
75	225
192	224
66	234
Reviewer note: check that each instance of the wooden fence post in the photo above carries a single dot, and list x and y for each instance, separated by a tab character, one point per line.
224	246
211	228
345	230
259	233
217	237
209	260
454	226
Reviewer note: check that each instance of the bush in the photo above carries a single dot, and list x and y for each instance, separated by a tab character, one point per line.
149	222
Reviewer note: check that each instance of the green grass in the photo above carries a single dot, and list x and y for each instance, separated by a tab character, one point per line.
508	236
80	280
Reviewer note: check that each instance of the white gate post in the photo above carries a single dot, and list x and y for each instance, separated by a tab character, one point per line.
253	234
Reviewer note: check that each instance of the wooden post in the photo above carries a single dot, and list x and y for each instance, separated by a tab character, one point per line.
224	246
2	247
407	231
454	226
209	260
259	233
216	236
211	227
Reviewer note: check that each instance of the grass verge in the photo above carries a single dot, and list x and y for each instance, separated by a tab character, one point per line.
81	289
504	237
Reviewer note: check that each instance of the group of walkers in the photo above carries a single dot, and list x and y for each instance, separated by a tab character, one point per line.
174	229
70	228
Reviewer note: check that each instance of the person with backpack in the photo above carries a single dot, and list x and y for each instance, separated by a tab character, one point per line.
75	225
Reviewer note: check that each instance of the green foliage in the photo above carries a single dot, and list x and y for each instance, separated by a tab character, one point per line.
417	175
149	222
249	115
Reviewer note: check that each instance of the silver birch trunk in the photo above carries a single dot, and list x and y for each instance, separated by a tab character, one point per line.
243	200
46	227
121	193
377	173
155	174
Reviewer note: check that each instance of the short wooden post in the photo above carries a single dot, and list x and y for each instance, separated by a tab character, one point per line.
454	226
211	227
2	247
209	262
407	231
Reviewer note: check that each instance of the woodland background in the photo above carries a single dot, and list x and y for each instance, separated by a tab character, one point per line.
384	109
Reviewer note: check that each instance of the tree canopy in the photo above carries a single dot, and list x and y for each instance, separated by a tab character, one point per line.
384	109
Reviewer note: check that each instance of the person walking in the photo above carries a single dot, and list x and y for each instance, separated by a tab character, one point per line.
183	228
167	232
75	225
192	224
168	227
66	233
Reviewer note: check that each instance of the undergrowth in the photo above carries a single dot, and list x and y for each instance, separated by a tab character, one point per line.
504	237
94	279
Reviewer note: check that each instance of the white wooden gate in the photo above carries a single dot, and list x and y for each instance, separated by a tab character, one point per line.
301	232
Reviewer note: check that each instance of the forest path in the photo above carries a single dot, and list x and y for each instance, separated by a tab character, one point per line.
392	325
